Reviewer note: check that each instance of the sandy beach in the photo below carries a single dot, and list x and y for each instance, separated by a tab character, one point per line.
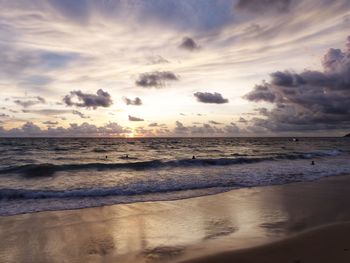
324	244
329	243
299	222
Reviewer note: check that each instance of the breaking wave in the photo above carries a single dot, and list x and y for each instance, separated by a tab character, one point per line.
48	169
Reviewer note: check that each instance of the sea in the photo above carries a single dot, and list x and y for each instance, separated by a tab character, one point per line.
42	174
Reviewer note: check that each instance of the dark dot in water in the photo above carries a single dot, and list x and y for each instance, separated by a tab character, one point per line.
346	249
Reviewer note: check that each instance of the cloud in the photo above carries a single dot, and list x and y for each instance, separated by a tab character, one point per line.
215	122
263	6
310	100
80	114
136	102
51	123
45	112
86	100
153	124
74	130
34	81
3	115
30	65
132	118
189	44
75	10
187	15
242	120
233	129
54	54
154	60
31	102
206	130
156	79
261	93
207	97
183	15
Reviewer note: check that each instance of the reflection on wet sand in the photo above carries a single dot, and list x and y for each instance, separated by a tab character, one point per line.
169	231
161	254
219	228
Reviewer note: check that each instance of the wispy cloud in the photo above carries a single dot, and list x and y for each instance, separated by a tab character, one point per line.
26	103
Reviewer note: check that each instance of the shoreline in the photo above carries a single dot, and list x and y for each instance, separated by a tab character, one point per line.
174	196
173	231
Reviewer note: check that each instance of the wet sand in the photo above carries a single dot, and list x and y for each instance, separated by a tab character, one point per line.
325	244
266	221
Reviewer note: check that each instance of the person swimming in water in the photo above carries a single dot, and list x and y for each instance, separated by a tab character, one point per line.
312	162
193	157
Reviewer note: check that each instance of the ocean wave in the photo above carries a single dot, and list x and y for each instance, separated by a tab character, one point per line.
137	188
100	150
48	169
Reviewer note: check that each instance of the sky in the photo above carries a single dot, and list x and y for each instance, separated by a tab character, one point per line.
137	68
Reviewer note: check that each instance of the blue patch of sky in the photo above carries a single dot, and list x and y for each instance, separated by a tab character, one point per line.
53	60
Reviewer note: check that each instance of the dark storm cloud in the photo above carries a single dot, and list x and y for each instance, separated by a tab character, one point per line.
207	97
101	99
188	44
25	103
286	79
132	118
156	79
310	100
80	114
136	102
262	6
261	93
